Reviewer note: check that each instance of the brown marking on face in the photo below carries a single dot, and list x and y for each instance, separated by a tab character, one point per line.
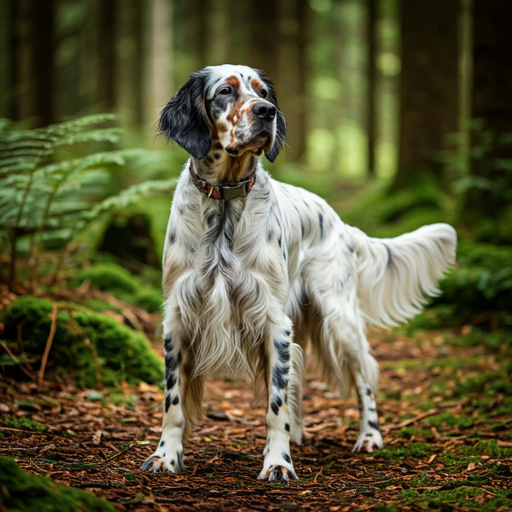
233	80
256	85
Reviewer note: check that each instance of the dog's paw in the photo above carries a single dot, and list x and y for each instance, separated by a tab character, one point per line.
161	462
372	438
278	473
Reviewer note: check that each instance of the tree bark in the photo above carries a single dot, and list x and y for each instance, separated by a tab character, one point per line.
428	87
372	84
44	70
107	54
491	106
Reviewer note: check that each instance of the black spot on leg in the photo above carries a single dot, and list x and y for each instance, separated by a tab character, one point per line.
321	222
175	400
172	237
349	247
369	392
287	333
216	156
372	409
287	458
275	408
279	379
369	435
287	427
167	402
168	342
374	425
282	348
162	443
279	241
171	381
172	361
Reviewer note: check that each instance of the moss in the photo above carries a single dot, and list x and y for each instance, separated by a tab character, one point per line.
21	491
149	299
85	342
24	423
416	450
461	497
107	277
116	280
449	419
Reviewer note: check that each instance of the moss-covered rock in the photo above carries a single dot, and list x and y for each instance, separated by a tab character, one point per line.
21	491
86	342
116	280
107	277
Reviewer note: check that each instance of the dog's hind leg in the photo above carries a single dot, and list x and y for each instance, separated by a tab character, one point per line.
169	453
369	431
343	351
284	374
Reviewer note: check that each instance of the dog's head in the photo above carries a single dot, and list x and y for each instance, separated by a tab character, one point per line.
235	106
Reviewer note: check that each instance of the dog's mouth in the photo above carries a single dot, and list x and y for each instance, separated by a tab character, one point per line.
262	141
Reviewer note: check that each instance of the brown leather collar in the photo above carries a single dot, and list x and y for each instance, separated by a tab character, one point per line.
225	192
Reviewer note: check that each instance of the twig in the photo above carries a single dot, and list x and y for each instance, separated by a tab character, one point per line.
48	346
411	420
16	360
21	430
118	454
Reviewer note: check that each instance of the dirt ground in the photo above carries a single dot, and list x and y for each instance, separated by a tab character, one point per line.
447	446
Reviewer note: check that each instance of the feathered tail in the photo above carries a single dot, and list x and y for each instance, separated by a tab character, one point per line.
396	275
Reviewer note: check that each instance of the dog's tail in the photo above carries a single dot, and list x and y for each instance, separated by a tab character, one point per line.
396	275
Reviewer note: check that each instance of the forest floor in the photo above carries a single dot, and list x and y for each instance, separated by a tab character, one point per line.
446	425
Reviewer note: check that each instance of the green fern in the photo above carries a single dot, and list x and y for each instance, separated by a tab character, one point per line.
46	198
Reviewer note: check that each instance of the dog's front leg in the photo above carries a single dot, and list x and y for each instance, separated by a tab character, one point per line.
169	453
278	466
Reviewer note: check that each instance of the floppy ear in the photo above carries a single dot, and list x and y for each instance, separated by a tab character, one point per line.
184	119
281	121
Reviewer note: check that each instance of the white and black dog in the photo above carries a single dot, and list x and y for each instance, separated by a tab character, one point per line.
254	270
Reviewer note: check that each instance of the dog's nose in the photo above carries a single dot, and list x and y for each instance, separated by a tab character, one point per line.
264	111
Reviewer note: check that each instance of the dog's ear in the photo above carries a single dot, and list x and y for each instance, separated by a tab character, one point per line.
184	119
281	121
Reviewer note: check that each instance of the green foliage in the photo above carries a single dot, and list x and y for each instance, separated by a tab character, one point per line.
481	283
116	280
21	491
464	497
47	192
86	343
24	423
487	192
107	277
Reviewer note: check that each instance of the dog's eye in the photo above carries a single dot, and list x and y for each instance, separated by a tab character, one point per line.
224	91
263	93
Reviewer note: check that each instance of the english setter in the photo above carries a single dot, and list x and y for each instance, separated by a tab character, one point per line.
254	270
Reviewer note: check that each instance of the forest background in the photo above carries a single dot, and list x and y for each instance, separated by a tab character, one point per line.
399	114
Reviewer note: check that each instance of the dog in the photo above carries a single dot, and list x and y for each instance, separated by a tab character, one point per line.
254	270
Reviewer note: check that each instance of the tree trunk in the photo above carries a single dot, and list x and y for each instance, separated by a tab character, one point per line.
264	33
428	88
302	79
372	84
492	107
20	71
160	86
202	9
107	54
44	71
